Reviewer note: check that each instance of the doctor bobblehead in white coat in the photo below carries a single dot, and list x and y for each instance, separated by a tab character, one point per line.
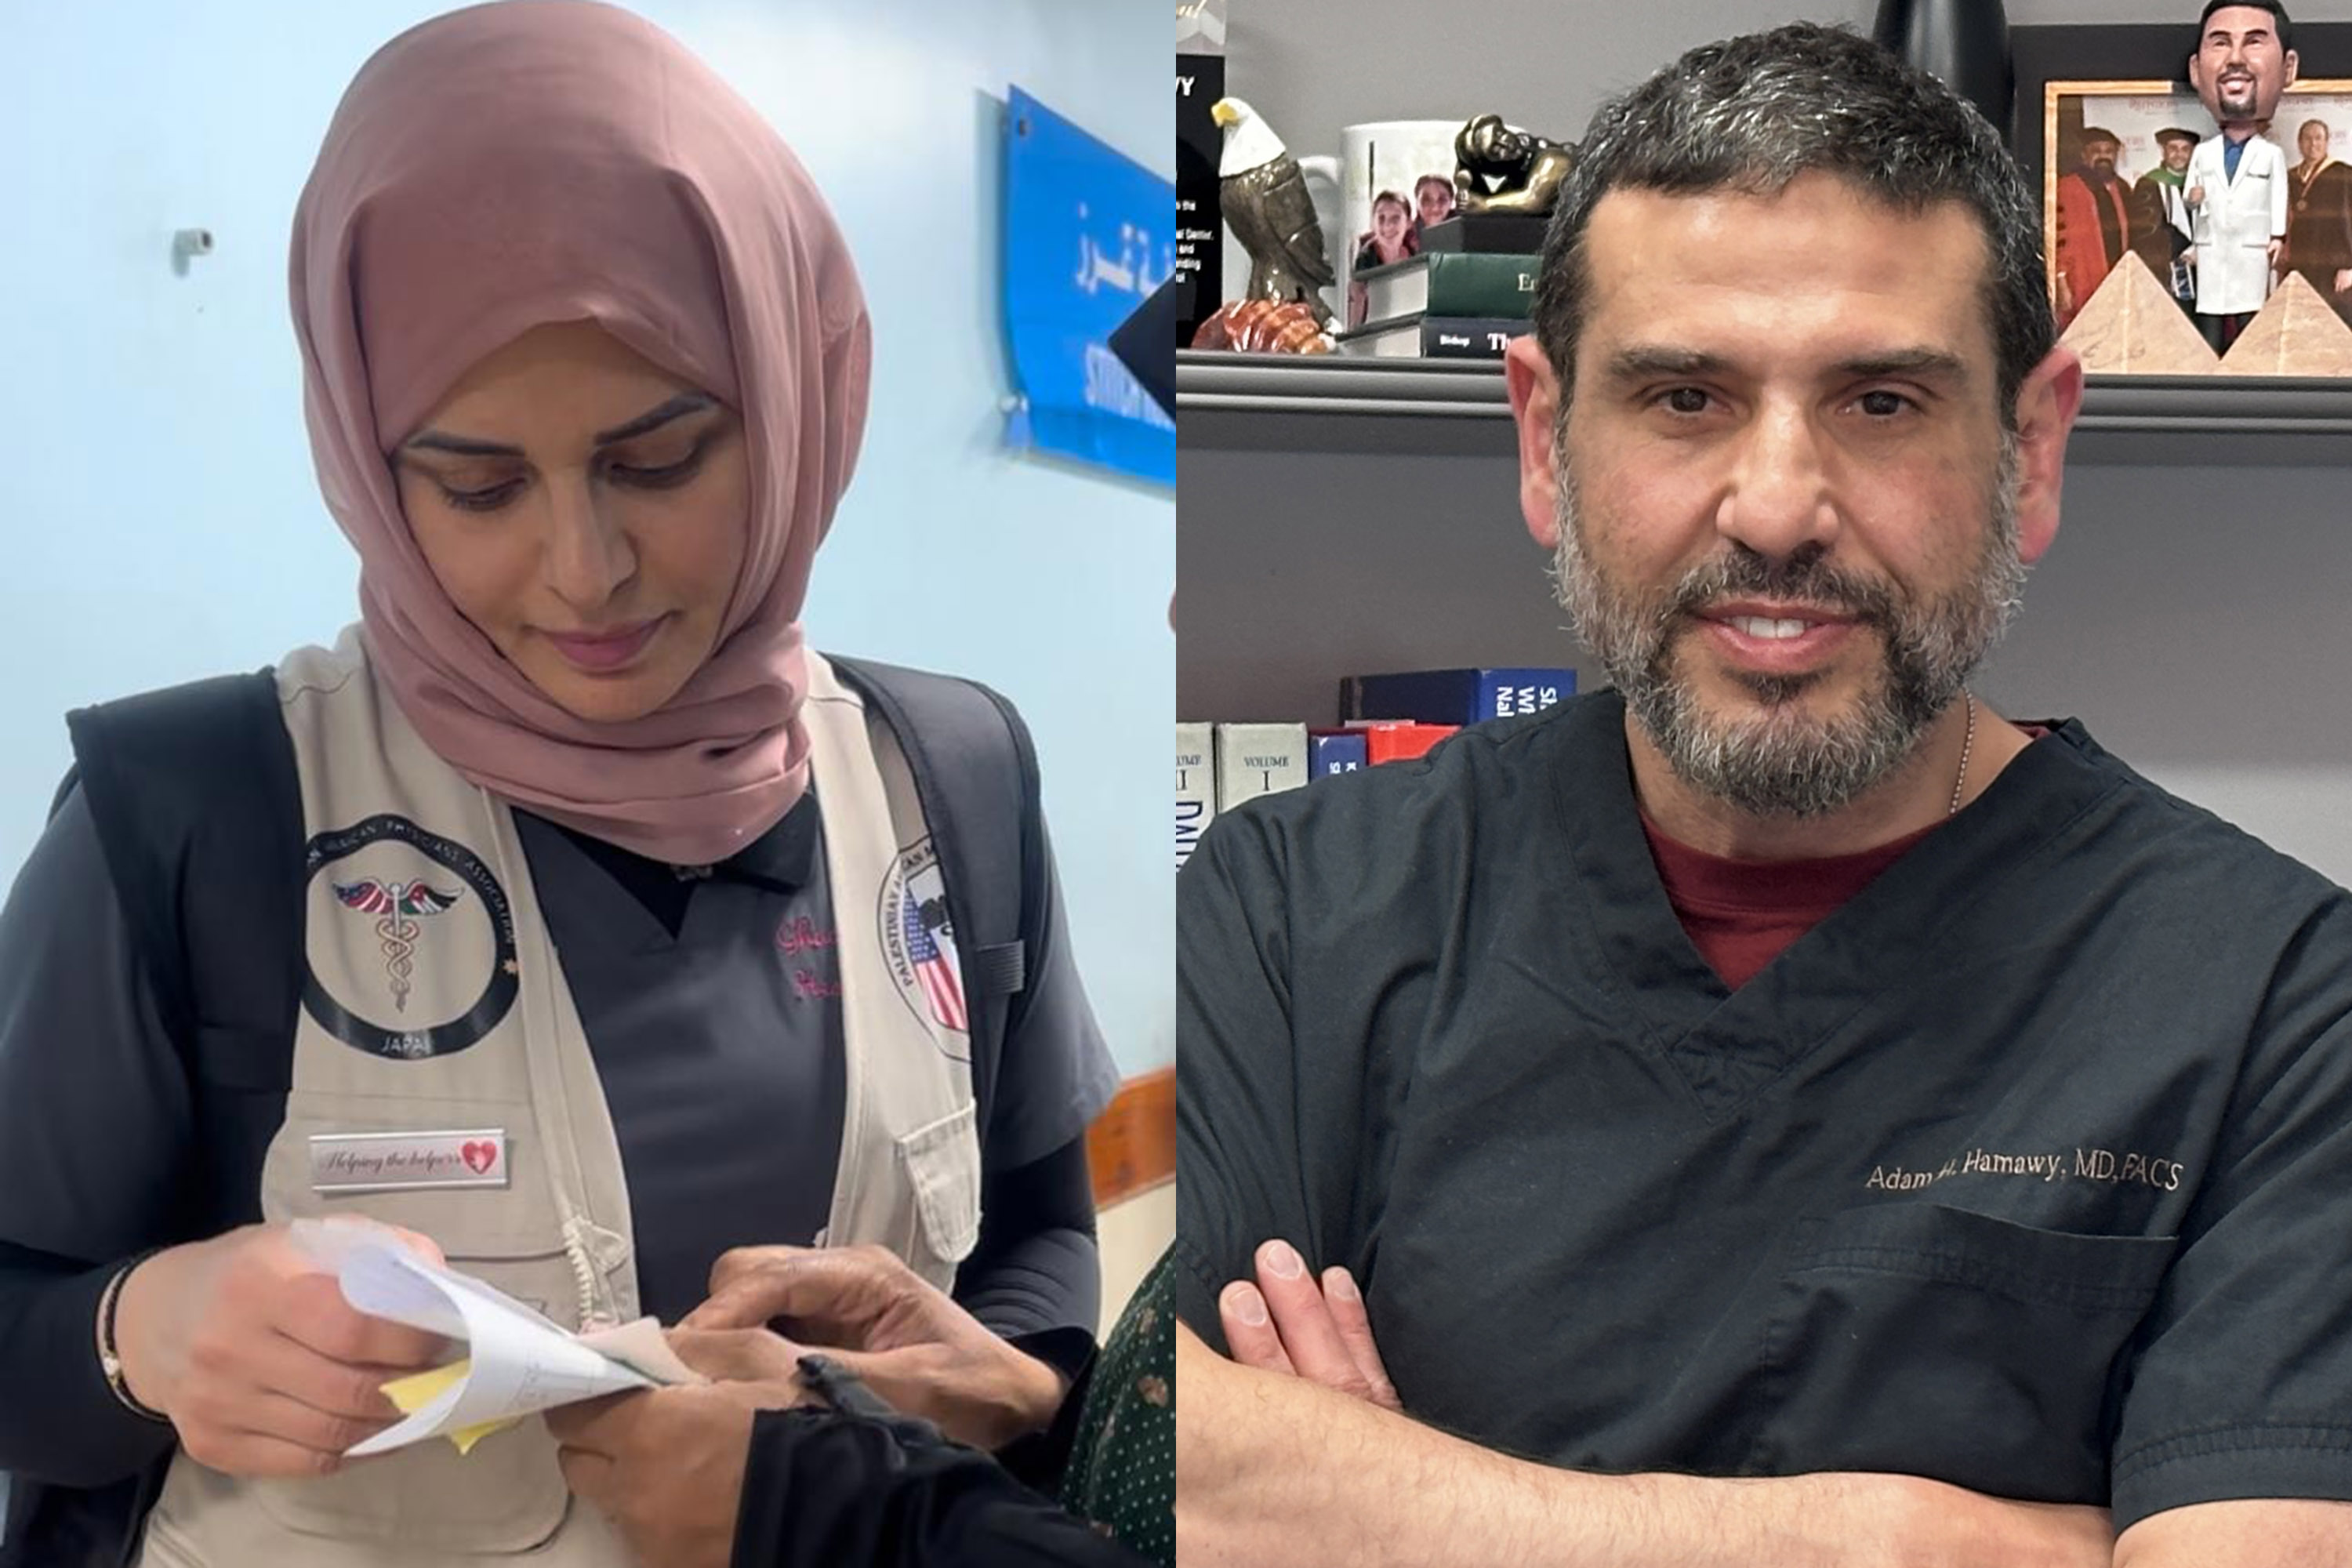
2241	65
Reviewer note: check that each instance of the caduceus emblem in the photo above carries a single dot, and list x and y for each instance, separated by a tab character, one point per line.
396	905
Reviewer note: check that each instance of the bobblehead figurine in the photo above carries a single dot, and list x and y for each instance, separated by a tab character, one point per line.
2237	180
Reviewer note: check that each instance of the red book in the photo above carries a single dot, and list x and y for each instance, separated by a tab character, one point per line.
1389	741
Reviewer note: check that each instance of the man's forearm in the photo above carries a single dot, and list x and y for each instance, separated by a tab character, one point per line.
2248	1532
1272	1469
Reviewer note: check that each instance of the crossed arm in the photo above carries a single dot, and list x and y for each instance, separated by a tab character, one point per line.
1278	1467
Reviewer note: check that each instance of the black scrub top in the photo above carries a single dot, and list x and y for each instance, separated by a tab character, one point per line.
712	1007
2029	1169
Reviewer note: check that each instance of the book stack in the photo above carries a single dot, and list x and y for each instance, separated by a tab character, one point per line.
1384	718
1453	696
1465	296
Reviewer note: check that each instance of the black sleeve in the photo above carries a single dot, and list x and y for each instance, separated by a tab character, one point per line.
94	1116
1035	1271
2239	1383
1034	1276
1036	1279
820	1488
1236	1093
1055	1075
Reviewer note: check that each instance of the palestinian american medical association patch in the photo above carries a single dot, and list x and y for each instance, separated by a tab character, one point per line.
919	941
409	950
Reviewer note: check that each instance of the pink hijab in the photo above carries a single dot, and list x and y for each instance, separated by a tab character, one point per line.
538	161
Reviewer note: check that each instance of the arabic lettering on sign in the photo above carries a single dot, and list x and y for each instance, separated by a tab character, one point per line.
1089	236
1132	272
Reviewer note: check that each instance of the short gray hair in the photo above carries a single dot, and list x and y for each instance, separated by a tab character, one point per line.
1753	114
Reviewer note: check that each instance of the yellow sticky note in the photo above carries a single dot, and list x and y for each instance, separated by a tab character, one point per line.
412	1394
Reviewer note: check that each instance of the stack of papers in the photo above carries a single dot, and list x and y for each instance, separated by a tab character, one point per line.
518	1362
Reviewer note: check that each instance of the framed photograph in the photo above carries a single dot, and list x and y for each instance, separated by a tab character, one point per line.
2125	146
2105	126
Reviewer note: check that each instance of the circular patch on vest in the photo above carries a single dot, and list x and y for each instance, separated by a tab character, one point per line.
918	940
409	950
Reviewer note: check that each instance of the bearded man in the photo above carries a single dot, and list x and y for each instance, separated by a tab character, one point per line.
1777	1110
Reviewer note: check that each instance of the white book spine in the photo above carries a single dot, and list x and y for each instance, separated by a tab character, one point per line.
1258	759
1196	788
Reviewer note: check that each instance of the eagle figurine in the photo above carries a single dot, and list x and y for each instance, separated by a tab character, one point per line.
1264	193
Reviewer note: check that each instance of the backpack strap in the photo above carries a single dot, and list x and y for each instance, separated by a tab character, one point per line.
199	810
975	774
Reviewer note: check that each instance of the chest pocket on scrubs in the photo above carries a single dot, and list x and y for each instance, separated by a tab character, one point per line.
1933	1341
941	1163
508	1496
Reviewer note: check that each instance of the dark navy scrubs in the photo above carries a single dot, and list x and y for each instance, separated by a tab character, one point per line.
2029	1169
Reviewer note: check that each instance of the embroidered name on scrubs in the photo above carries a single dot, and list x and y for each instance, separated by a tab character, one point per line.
799	939
799	934
2104	1165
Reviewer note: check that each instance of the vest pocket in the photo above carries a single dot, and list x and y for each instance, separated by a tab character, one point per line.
1934	1341
942	1161
506	1497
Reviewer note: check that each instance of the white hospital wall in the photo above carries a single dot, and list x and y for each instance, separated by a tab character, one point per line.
157	504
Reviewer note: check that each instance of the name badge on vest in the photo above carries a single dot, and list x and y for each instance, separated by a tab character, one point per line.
401	1162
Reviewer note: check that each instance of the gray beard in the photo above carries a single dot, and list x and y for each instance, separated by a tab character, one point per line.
1782	762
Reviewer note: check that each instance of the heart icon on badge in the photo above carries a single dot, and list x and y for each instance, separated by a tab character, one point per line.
480	1157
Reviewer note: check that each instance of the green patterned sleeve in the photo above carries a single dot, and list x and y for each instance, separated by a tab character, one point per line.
1122	1473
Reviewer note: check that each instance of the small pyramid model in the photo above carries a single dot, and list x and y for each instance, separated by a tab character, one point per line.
2133	326
2297	334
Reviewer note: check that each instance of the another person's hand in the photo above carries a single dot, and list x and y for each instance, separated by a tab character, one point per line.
904	1337
667	1466
2065	296
2344	279
248	1346
2276	248
1290	1322
2196	197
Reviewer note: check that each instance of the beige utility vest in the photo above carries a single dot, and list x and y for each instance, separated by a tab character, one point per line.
435	1016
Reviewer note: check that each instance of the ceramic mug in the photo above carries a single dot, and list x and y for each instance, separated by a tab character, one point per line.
1394	178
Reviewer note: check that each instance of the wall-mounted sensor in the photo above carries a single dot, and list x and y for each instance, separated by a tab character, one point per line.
189	242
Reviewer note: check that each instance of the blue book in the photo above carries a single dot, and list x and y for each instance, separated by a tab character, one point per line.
1333	753
1453	696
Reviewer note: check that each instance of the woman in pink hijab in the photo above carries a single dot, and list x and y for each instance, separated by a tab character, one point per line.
571	917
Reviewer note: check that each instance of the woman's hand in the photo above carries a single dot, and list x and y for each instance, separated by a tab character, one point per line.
251	1350
911	1343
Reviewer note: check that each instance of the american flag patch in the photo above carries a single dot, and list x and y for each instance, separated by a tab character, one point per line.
935	962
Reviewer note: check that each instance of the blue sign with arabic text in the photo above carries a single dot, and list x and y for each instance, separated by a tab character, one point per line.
1089	234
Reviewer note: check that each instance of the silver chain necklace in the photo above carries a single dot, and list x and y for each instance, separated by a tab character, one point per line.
1967	745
